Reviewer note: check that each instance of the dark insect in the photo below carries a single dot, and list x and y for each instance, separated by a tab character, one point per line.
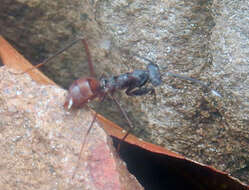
86	89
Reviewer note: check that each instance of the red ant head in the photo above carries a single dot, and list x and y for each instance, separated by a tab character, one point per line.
81	92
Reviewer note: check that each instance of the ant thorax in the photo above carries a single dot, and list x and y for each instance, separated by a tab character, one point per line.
107	84
131	80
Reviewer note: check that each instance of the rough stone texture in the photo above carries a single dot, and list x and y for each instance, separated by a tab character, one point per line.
229	46
40	142
207	40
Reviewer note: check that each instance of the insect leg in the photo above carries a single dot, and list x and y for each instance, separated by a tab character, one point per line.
89	59
51	57
126	117
140	91
85	136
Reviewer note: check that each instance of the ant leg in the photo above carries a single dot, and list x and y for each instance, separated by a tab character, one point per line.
84	142
85	136
89	59
51	57
126	117
140	91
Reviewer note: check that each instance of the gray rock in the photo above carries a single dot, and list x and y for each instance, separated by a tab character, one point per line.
207	40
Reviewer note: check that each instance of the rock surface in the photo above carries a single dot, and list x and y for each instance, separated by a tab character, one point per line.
207	40
40	142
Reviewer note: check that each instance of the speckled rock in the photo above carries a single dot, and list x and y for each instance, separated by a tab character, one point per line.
202	39
40	142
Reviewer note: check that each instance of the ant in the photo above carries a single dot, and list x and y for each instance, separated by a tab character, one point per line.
86	89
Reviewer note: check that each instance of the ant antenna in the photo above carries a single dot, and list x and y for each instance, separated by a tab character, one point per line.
52	56
214	92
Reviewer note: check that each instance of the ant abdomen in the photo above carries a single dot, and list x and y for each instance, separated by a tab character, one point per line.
81	92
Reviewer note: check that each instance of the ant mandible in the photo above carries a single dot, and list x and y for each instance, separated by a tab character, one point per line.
86	89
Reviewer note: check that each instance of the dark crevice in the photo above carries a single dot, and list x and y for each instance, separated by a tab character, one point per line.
151	172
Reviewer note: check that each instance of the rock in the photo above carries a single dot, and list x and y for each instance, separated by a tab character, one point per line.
206	40
40	141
